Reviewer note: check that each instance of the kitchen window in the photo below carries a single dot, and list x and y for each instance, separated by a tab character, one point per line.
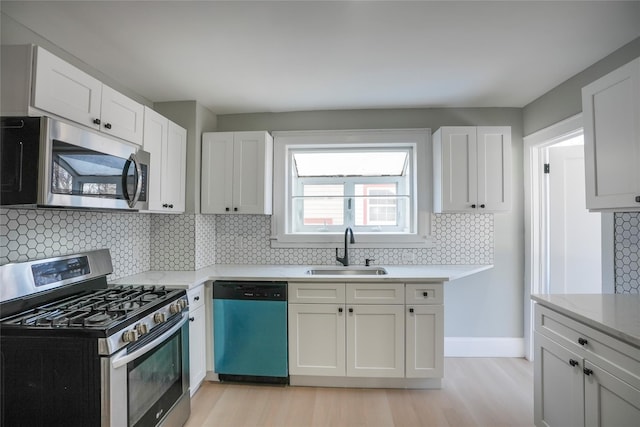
374	181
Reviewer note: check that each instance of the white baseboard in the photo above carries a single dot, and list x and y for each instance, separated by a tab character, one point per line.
483	347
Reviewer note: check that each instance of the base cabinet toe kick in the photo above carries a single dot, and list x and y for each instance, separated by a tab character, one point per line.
356	334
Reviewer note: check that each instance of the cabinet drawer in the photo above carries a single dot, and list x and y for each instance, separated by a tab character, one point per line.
375	293
196	297
611	354
427	293
316	292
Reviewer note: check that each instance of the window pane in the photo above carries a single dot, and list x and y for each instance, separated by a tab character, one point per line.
321	205
374	206
350	163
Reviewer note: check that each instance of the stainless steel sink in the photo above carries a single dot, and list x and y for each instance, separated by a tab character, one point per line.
347	271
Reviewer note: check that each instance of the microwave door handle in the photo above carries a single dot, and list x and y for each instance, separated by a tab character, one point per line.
138	174
131	201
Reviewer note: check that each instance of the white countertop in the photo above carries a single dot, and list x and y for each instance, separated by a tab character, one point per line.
405	273
615	314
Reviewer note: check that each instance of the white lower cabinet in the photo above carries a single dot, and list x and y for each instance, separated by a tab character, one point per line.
317	339
583	377
375	341
424	313
197	338
366	331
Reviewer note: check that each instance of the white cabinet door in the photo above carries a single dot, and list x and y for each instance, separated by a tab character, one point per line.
375	341
250	188
197	348
472	169
155	140
217	172
175	164
237	172
609	401
458	185
425	341
121	116
494	168
167	144
317	339
611	114
197	337
66	91
558	385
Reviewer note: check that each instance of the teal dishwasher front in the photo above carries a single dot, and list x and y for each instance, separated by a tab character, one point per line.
250	331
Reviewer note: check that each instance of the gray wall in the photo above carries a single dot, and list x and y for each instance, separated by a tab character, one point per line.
565	100
488	304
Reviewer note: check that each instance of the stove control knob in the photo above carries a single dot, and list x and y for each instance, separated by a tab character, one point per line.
174	308
158	318
182	303
141	328
129	336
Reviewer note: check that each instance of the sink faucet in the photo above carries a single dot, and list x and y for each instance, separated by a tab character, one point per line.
345	260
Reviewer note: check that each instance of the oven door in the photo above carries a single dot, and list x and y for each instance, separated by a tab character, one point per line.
147	383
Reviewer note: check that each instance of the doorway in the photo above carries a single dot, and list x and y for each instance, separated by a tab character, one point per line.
567	248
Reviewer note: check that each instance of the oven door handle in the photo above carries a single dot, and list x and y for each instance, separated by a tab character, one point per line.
123	358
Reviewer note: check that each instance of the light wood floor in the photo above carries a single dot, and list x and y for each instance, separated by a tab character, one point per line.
476	392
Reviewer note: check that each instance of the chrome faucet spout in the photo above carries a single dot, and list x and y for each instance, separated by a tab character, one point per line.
345	259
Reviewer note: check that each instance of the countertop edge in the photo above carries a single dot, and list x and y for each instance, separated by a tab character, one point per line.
189	279
632	339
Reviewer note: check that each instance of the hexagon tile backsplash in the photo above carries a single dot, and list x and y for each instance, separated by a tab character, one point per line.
27	234
141	242
627	252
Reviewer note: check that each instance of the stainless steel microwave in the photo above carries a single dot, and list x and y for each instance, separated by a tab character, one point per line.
50	163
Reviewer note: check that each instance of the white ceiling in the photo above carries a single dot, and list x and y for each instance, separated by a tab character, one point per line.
267	56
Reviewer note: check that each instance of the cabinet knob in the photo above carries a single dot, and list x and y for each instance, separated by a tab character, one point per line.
411	310
350	310
473	206
637	199
482	206
425	294
96	121
582	341
340	310
226	209
587	371
192	319
170	206
107	125
196	298
573	362
164	205
235	209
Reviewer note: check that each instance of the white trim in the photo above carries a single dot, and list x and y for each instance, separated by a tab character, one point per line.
533	145
420	139
533	225
483	347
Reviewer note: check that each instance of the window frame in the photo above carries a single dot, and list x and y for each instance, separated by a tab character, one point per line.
418	139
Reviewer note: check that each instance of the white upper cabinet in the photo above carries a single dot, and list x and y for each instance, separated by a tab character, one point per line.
42	82
611	114
237	172
167	144
121	116
472	169
66	91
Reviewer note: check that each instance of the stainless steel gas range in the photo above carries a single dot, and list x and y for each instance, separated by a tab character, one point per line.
75	351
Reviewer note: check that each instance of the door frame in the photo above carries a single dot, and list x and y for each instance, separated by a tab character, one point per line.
534	221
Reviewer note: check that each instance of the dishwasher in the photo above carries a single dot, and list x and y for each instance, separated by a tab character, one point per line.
250	331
